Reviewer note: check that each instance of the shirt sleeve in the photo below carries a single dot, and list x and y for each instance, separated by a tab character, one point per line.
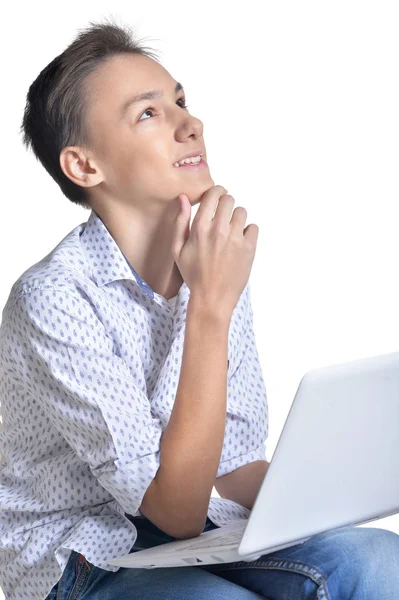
247	406
58	348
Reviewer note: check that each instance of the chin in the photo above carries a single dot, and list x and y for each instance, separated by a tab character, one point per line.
195	195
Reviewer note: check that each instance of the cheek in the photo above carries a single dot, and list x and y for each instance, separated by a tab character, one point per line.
142	176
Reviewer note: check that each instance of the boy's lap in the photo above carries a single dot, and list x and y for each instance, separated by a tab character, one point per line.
87	582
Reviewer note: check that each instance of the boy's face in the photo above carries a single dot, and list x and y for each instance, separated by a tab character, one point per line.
136	150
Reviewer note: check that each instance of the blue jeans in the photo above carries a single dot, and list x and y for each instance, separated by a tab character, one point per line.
356	563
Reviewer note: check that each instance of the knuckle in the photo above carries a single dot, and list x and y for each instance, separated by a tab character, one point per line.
247	246
237	239
200	227
219	232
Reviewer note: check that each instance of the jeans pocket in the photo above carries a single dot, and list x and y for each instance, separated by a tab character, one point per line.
82	571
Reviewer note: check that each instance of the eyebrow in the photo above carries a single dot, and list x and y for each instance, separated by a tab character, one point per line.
153	94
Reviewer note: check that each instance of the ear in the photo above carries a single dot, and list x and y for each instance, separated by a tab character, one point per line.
79	167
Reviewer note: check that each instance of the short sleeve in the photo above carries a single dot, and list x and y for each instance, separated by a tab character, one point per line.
247	406
58	348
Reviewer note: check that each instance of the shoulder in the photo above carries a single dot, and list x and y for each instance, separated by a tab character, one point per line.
65	270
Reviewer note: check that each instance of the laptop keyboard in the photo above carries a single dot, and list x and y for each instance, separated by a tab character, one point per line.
229	538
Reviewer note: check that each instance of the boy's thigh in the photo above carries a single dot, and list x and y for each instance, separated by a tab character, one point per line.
176	583
83	581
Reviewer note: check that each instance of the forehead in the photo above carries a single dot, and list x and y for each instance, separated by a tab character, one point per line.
128	74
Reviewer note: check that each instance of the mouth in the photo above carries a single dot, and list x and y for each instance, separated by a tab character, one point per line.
194	163
202	164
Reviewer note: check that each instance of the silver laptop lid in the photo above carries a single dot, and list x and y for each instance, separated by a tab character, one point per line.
336	462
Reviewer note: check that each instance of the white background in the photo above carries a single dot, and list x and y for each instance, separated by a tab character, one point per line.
299	102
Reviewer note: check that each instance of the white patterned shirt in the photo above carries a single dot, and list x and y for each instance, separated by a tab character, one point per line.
90	358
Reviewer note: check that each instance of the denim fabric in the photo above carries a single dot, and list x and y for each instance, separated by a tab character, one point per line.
356	563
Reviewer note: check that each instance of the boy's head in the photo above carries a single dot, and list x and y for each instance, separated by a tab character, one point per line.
98	153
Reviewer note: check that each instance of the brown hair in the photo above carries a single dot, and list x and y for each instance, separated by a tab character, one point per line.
56	103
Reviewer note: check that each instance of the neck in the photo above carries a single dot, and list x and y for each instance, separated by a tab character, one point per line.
146	243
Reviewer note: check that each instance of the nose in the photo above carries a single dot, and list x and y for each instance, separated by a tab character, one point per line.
189	126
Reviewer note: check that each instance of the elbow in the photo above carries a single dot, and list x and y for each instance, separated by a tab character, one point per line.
177	531
190	529
191	533
155	508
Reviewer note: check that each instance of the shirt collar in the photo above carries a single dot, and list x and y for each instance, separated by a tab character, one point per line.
105	257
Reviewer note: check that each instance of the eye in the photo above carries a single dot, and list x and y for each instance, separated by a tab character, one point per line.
182	100
151	109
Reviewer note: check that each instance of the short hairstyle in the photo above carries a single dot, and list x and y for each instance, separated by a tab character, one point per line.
57	101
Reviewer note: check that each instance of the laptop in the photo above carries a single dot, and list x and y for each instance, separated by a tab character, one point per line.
336	464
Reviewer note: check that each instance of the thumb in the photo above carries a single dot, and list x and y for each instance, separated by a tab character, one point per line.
182	224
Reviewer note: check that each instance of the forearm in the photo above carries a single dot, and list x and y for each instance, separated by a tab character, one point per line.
192	443
243	484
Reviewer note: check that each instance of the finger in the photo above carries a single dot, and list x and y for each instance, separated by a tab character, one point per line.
251	233
224	209
182	225
208	204
238	219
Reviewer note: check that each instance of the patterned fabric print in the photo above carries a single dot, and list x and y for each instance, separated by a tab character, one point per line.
90	359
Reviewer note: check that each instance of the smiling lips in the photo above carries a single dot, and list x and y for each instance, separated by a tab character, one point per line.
192	160
193	166
194	153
